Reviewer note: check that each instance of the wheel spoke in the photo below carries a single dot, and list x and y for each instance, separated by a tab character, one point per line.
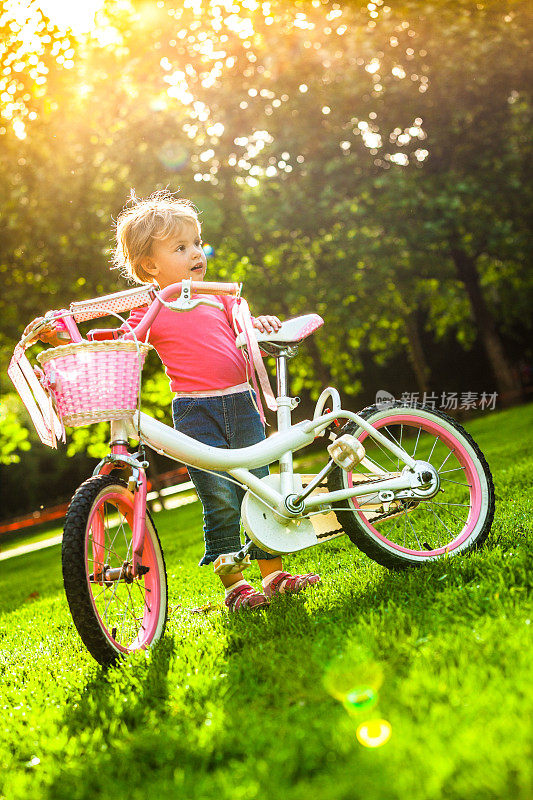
416	443
132	605
392	436
113	595
447	471
374	463
400	443
409	521
434	443
108	548
442	523
449	480
462	521
128	611
122	603
446	459
385	452
464	505
97	597
120	527
367	499
143	596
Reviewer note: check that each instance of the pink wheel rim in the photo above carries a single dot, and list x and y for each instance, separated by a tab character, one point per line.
147	626
466	463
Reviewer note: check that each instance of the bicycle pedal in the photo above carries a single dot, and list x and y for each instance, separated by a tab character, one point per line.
346	451
229	564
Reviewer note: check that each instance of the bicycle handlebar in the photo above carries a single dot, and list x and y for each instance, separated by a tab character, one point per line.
169	292
207	287
127	300
140	296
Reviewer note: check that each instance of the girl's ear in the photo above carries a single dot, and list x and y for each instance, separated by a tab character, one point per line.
149	266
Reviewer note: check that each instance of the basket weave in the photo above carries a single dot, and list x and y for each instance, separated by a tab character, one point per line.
94	381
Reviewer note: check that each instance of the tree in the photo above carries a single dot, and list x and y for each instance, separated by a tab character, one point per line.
363	160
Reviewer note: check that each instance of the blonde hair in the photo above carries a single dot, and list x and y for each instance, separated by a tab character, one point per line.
159	216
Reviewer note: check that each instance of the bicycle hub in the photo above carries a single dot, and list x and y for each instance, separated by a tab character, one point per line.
294	504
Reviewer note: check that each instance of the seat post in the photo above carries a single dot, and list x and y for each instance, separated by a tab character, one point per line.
285	404
282	377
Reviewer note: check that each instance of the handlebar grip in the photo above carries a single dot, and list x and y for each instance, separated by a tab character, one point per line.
211	287
104	334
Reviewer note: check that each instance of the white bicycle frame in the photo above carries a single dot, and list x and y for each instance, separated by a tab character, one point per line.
275	509
278	447
280	513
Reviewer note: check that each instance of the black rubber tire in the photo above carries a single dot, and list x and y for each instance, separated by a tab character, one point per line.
361	536
75	578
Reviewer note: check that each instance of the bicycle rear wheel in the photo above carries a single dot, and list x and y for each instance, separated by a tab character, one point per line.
411	532
114	612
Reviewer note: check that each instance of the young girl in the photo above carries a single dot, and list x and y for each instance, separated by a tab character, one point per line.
158	239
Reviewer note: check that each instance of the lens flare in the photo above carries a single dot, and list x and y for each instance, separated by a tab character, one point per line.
353	681
173	156
374	732
360	699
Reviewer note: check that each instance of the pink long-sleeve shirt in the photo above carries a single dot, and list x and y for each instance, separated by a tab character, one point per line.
197	347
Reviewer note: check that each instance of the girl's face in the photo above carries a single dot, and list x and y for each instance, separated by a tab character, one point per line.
178	257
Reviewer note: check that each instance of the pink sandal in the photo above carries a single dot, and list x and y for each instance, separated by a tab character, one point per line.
291	583
245	597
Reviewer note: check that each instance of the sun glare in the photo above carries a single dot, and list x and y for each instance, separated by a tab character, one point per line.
75	14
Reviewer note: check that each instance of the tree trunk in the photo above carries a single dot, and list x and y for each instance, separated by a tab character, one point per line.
416	353
506	381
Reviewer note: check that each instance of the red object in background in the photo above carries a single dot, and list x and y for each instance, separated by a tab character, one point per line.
46	515
335	421
174	476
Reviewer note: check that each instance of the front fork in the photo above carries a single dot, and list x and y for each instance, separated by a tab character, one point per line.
120	458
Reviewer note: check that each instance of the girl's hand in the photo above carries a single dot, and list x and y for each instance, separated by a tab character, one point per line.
267	323
50	336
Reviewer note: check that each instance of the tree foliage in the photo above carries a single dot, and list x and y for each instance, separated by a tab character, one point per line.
363	160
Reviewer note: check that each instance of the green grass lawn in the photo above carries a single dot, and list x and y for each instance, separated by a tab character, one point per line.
238	708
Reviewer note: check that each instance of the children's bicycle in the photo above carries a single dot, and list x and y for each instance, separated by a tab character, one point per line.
407	484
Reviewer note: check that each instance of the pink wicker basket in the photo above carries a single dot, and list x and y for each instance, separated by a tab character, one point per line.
94	381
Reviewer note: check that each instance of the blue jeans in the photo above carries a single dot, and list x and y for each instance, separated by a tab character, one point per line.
229	421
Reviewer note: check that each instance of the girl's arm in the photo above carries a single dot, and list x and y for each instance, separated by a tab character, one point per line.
266	323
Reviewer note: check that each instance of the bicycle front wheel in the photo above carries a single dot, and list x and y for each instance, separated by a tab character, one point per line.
411	532
114	612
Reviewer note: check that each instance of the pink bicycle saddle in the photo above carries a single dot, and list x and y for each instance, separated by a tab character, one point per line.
292	331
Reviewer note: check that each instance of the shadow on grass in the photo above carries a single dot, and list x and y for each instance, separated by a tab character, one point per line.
426	600
150	678
121	708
